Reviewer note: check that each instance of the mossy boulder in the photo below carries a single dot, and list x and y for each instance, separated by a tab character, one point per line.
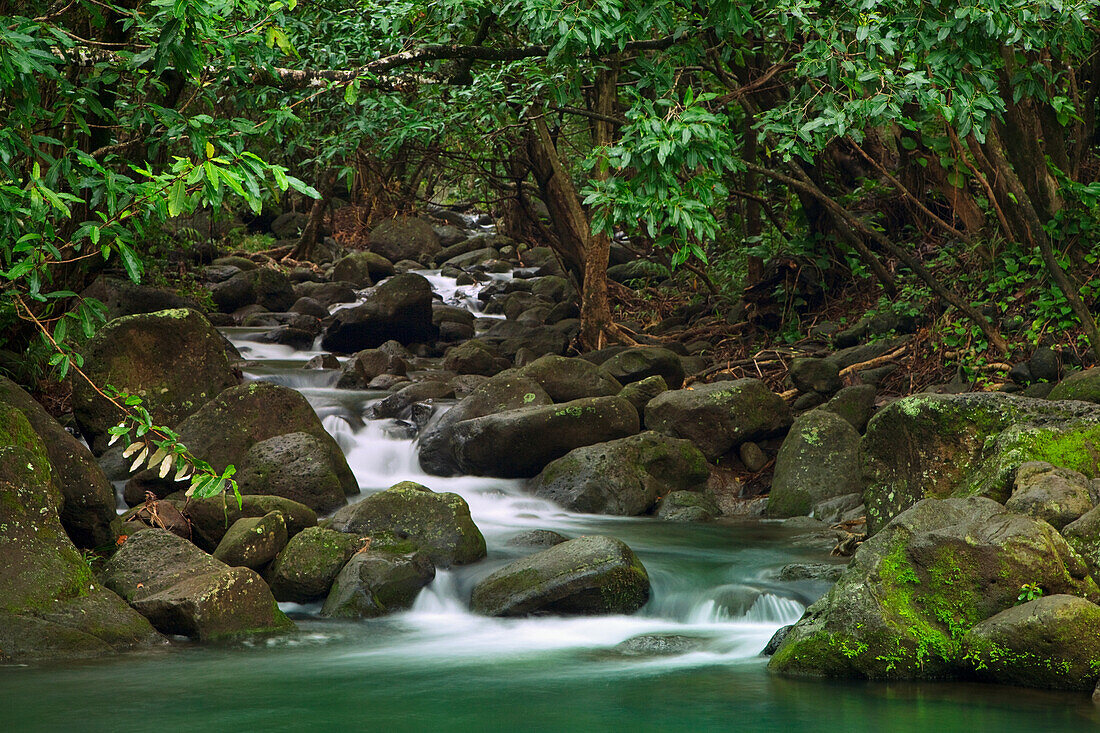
1084	386
641	392
970	444
405	238
520	443
585	576
227	428
51	606
687	506
211	518
1051	642
505	391
1083	535
624	476
182	590
914	590
566	379
175	360
358	371
635	364
399	309
855	404
123	297
304	570
440	524
1058	496
253	542
719	416
473	357
87	499
264	287
362	268
816	375
377	582
819	460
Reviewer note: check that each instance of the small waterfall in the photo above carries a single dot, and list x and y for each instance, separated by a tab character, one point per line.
775	610
441	596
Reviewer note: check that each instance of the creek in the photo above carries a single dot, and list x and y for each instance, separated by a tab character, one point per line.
439	667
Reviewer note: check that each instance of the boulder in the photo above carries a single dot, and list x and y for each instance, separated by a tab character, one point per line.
236	427
961	445
505	391
253	542
123	297
687	506
1084	386
405	239
309	307
509	337
362	269
588	575
719	416
1051	642
1056	495
641	392
473	357
816	375
1083	535
87	499
635	364
264	287
819	460
624	476
289	225
182	590
51	606
855	404
398	309
914	590
567	379
519	443
211	518
327	294
536	538
439	524
396	404
358	371
377	582
303	572
175	360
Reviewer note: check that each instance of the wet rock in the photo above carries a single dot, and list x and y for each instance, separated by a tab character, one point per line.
659	645
819	460
123	297
843	508
635	364
521	442
398	309
253	542
86	498
322	361
719	416
566	379
377	582
473	357
396	404
1083	535
641	392
405	238
182	590
327	294
1055	495
262	286
912	591
174	360
960	445
358	371
505	391
211	518
624	476
227	429
588	575
816	375
1084	386
304	571
536	538
1051	642
295	338
309	307
51	606
855	404
810	571
439	524
362	268
777	640
687	506
752	456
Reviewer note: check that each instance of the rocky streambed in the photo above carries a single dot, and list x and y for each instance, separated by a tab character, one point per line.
445	514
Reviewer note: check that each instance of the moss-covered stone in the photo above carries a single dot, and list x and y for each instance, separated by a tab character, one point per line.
638	363
687	506
915	589
175	360
971	444
819	460
253	542
566	379
1052	642
624	476
588	575
1084	386
304	570
296	466
438	523
377	582
1056	495
211	518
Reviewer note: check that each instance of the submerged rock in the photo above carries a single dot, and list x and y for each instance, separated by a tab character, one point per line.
588	575
659	645
719	416
624	476
182	590
439	524
915	589
175	360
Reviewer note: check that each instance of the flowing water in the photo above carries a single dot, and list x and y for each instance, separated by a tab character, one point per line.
438	667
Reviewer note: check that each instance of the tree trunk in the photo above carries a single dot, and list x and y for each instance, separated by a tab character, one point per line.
566	214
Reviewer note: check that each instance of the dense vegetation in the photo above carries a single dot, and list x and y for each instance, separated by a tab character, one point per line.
936	157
